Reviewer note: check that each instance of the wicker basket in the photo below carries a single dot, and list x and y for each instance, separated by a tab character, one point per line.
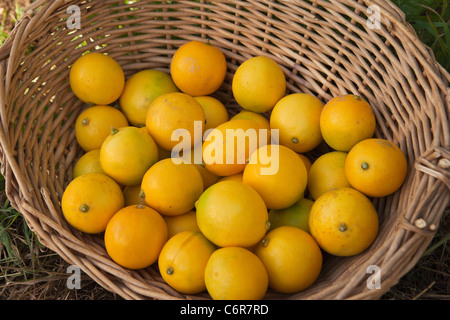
326	48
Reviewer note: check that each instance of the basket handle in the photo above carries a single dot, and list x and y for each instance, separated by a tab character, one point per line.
436	163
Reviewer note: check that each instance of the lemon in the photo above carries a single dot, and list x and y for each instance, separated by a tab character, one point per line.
182	222
175	113
296	215
140	90
182	261
215	111
170	188
90	200
258	84
346	120
127	153
297	117
327	172
231	213
198	68
292	258
97	79
235	273
250	115
344	222
278	174
134	236
94	124
88	163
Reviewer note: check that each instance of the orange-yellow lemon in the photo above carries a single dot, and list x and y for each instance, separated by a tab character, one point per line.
97	79
343	221
376	167
198	68
345	120
231	213
258	84
278	174
171	188
90	200
135	236
235	273
292	258
175	118
182	261
127	153
94	124
297	117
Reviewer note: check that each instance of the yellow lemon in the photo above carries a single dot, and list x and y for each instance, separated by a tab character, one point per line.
306	161
346	120
96	78
174	117
90	200
278	174
235	177
250	115
231	213
135	236
94	124
88	163
376	167
258	84
139	92
297	117
182	222
292	258
235	273
327	172
127	153
296	215
182	261
215	111
228	146
198	68
133	195
170	188
343	221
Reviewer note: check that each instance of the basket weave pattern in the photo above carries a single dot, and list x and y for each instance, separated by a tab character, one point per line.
325	48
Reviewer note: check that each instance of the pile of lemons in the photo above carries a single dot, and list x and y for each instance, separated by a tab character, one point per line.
208	216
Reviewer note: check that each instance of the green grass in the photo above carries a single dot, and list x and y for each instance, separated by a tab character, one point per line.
431	21
14	17
16	238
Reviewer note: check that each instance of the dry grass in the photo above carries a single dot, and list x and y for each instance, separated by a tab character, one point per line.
30	271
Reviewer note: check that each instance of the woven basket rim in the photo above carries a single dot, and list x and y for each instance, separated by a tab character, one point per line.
430	173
